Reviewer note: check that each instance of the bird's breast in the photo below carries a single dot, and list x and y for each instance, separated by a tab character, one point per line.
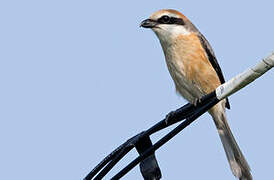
189	67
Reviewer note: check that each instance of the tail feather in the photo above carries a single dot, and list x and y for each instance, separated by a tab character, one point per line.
236	159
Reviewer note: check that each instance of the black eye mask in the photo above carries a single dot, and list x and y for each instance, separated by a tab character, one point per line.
170	20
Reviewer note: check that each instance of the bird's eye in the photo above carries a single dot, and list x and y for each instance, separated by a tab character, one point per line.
164	19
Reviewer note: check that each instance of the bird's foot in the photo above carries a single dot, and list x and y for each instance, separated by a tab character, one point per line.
169	116
196	101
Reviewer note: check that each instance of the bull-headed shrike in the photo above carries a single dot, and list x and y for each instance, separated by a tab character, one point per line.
195	71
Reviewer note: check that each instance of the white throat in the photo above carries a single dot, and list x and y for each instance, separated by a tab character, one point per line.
168	32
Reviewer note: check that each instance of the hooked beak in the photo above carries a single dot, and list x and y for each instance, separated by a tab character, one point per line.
148	23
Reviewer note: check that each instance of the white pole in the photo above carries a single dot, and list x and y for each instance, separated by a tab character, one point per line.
246	77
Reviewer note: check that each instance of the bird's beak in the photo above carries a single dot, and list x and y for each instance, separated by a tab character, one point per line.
148	23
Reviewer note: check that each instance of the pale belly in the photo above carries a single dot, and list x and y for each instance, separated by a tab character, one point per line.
186	88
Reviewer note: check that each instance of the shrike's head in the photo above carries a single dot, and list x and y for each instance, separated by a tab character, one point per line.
169	24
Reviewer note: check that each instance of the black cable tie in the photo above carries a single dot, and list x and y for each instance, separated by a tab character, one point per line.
149	166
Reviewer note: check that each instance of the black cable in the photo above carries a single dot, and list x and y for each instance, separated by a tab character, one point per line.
166	138
104	162
189	112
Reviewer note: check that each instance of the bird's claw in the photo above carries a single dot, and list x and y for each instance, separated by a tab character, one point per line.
197	101
169	116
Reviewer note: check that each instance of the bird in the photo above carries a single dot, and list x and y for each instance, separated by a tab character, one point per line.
195	71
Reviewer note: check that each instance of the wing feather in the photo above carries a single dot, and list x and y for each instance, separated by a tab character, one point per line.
213	61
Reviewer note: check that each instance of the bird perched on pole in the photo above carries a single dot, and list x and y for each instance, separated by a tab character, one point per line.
195	71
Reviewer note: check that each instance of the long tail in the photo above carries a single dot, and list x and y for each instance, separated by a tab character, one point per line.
236	159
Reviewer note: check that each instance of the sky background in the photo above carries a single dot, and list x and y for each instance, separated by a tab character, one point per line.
78	78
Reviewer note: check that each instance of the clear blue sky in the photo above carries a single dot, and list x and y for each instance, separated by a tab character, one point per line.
80	77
